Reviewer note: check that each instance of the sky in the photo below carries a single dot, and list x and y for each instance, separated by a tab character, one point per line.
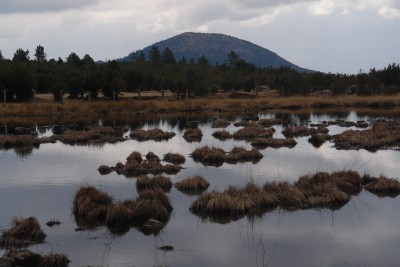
338	36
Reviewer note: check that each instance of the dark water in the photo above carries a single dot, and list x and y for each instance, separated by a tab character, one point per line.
365	232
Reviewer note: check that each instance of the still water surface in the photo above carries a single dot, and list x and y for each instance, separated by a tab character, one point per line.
365	232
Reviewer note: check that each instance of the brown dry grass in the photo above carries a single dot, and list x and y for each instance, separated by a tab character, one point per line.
134	157
144	182
174	158
152	134
193	135
128	106
222	135
381	135
54	260
209	155
23	232
253	130
87	199
274	142
94	208
303	131
383	186
193	186
240	154
220	123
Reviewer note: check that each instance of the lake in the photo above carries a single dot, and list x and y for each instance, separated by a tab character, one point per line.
365	232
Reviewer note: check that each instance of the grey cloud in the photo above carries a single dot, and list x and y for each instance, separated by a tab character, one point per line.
37	6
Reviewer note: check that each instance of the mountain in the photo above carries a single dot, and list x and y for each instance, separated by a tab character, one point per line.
215	48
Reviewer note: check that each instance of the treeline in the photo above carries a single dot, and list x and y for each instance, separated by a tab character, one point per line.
21	76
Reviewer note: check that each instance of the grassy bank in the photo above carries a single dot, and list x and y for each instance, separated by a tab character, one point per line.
44	106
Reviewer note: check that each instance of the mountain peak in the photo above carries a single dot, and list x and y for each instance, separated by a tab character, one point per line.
216	46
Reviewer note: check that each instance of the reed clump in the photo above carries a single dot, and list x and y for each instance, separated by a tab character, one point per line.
23	232
135	156
319	139
216	156
98	134
274	142
382	135
220	123
152	134
151	205
104	170
233	203
222	135
54	260
19	141
382	186
90	206
252	131
144	182
240	154
195	185
209	155
320	190
27	258
303	131
174	158
193	135
136	166
150	156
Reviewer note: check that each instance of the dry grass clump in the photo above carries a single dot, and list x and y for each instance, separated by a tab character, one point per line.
324	190
383	186
382	135
98	134
234	203
135	165
152	157
193	186
220	123
217	156
242	123
151	204
119	216
103	169
318	139
134	157
54	260
222	135
19	141
174	158
269	122
20	257
27	258
252	131
274	142
23	233
193	135
90	206
153	134
132	169
209	155
145	182
240	154
303	131
289	196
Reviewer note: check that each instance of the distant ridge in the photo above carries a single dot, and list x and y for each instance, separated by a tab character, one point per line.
215	48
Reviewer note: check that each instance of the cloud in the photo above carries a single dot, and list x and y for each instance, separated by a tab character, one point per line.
389	13
22	6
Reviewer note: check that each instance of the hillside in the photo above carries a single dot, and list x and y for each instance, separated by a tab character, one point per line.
216	47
